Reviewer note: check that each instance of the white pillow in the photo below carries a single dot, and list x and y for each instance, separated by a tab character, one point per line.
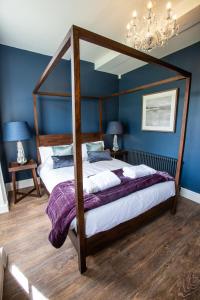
45	153
84	152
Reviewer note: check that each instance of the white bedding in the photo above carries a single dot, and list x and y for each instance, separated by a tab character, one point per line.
112	214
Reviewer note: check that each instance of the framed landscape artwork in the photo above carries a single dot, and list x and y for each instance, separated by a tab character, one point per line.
159	111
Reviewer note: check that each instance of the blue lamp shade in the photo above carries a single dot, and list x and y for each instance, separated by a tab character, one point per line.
114	127
16	131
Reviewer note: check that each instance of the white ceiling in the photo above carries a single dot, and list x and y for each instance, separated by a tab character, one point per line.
40	25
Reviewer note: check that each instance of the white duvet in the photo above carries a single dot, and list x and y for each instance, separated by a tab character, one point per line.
112	214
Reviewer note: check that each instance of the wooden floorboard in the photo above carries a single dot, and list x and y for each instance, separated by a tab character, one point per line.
159	261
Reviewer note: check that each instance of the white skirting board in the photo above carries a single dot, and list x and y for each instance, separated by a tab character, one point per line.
4	209
190	195
29	182
21	184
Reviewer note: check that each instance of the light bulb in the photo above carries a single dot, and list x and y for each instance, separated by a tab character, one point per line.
134	14
128	26
149	5
174	17
168	6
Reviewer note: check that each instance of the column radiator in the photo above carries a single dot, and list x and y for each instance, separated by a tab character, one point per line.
158	162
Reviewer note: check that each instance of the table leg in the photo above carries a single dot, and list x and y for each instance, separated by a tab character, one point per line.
36	182
14	187
126	157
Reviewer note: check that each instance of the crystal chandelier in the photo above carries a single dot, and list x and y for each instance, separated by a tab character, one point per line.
152	31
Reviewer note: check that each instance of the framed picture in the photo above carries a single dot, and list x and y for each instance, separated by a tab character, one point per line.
159	111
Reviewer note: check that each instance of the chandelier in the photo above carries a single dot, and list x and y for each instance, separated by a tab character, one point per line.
152	30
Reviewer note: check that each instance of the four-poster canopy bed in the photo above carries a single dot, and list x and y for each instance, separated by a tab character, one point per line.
84	245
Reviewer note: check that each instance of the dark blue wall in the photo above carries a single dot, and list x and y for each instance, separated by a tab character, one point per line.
19	72
130	111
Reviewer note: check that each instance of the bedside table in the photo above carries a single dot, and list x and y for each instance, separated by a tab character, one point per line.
15	167
120	154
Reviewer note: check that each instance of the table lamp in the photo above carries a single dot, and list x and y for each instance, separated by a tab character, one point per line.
17	132
115	127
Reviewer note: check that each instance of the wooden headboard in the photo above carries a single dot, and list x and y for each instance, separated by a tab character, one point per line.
63	139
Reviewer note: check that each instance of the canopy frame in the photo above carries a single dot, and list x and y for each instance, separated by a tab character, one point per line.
72	39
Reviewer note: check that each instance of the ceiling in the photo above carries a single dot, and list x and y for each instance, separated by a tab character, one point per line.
40	26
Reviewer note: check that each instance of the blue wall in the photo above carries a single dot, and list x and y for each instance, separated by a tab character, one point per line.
130	111
19	72
21	69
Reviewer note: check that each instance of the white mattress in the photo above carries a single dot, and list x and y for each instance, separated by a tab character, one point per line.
112	214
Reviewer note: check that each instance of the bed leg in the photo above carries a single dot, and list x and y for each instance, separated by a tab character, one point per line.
82	263
174	205
42	186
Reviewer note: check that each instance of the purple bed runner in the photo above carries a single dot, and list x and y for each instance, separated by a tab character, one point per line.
61	208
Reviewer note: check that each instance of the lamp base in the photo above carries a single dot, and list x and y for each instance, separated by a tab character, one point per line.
115	144
21	159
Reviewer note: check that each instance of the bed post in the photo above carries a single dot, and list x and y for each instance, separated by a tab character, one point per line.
36	125
100	116
76	117
182	142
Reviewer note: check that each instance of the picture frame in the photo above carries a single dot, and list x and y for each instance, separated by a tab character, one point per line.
159	111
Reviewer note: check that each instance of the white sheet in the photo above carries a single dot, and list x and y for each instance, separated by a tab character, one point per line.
112	214
51	177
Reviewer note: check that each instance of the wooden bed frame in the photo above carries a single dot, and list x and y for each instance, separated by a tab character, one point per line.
86	246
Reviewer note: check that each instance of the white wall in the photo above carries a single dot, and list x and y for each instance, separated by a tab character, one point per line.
3	195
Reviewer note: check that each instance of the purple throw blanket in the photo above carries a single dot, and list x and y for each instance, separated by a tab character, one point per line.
61	208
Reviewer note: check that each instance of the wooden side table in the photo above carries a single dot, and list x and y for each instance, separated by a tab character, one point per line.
15	167
120	154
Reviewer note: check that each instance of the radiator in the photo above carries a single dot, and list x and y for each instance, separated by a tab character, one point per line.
158	162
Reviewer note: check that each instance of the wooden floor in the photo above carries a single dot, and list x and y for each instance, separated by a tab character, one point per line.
159	261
